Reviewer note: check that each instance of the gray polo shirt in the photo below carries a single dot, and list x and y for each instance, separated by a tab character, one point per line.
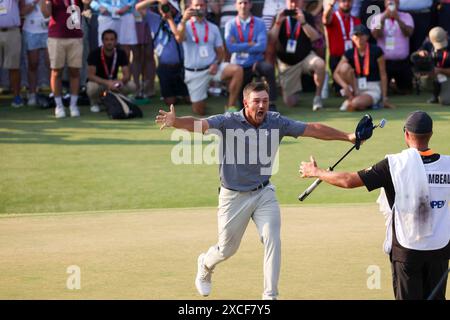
247	153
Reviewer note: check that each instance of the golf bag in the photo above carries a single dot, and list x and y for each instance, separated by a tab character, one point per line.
120	107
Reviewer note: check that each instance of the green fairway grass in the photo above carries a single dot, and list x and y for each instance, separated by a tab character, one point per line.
92	163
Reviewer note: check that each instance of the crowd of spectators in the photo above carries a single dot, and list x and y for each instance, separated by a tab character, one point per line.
365	49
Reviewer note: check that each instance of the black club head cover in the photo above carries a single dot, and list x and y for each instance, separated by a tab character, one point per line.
364	130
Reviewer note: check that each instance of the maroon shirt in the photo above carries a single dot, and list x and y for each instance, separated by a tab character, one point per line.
57	27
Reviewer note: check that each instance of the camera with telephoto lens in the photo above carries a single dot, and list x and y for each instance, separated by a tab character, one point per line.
165	8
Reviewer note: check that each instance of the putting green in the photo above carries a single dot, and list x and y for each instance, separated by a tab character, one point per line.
326	251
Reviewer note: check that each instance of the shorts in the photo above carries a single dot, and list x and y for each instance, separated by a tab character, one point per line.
171	81
125	27
62	50
34	41
291	76
373	90
197	82
10	49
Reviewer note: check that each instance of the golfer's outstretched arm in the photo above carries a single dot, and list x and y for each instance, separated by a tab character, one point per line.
169	119
323	132
346	180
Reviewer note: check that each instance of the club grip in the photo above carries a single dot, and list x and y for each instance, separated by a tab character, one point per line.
310	189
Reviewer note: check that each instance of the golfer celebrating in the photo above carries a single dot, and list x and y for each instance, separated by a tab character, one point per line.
246	192
415	199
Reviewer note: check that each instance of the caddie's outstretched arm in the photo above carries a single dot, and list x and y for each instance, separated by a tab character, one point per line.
169	119
345	180
323	132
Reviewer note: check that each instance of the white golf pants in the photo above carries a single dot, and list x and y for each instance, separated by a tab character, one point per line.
235	210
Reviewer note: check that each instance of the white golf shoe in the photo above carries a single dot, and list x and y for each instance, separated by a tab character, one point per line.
203	278
95	108
74	111
60	112
317	103
344	106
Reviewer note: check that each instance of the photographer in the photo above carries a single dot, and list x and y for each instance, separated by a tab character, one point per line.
294	33
204	55
392	29
103	68
437	49
246	40
162	26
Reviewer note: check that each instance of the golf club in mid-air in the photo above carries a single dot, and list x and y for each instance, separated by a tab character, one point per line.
363	132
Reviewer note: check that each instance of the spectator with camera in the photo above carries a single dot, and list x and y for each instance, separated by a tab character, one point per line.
65	45
392	30
203	60
339	25
362	74
103	68
169	52
246	40
9	34
35	35
437	52
294	33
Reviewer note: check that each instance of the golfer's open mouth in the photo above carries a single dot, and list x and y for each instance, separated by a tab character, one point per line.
260	113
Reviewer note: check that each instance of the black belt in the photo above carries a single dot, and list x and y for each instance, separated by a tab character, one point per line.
197	69
7	29
260	186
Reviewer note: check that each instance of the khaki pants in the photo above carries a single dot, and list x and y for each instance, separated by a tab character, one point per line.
235	210
94	90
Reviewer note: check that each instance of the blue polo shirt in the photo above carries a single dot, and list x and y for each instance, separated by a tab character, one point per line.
247	153
162	34
251	54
